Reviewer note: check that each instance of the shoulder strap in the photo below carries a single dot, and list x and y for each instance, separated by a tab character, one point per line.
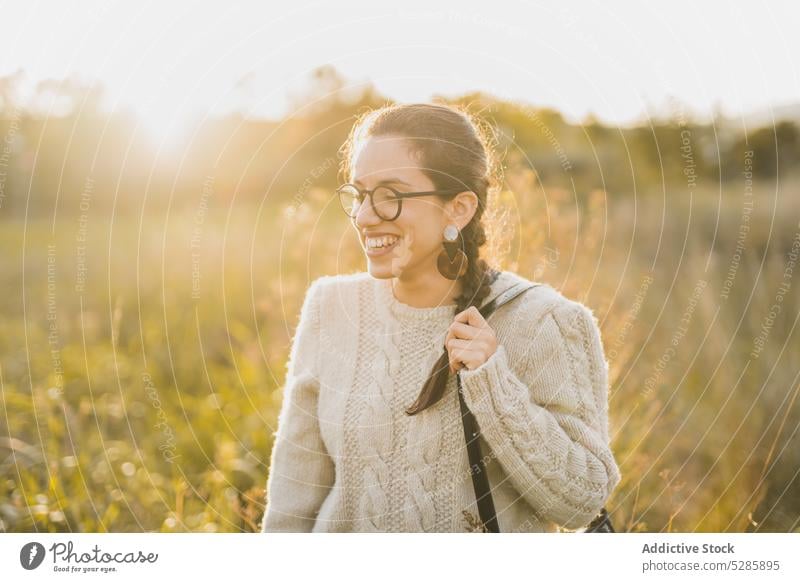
505	296
480	480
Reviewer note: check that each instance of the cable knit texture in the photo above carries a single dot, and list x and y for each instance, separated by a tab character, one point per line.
346	456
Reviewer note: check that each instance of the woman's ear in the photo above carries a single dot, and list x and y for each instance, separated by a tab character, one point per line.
461	208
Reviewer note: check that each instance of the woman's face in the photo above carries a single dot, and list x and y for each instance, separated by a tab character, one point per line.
387	160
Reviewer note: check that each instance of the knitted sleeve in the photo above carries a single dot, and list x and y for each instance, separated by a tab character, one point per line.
549	430
301	472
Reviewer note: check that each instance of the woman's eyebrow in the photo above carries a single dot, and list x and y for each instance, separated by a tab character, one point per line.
384	182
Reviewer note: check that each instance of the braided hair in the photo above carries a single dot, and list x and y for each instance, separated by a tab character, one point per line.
455	151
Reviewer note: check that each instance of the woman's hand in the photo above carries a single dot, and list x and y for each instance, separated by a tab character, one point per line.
469	341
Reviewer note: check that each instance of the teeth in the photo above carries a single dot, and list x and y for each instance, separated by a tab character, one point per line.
382	241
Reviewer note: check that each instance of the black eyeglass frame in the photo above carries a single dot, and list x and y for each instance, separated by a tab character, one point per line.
400	196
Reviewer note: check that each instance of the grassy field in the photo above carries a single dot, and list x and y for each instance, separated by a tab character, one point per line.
141	358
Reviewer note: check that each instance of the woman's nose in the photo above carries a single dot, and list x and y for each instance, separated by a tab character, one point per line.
365	215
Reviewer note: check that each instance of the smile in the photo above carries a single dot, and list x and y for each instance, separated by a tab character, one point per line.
381	245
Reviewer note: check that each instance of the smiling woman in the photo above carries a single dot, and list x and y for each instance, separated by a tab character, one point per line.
369	436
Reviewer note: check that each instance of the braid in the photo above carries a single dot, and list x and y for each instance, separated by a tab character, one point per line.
476	286
476	283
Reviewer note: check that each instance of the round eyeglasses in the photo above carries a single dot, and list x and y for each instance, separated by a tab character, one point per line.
385	200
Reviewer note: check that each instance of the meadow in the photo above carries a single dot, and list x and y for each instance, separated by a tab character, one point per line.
142	354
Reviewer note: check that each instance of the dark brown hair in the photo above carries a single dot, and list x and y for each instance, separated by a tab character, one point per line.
455	151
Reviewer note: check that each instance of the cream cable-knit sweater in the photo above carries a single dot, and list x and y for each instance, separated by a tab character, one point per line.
348	458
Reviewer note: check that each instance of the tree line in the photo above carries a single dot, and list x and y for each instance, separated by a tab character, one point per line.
53	162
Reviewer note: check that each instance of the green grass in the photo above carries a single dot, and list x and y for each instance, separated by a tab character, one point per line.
155	411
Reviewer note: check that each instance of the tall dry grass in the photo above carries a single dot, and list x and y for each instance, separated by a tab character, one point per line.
133	405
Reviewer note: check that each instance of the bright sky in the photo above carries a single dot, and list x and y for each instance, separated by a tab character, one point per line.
618	60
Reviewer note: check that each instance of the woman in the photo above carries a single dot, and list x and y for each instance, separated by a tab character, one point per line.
369	436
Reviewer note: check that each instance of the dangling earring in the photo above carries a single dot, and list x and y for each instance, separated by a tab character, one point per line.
452	262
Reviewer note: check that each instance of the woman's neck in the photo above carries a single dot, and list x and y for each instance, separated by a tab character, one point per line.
429	291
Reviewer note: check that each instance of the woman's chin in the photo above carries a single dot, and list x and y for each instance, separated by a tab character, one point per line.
386	268
380	269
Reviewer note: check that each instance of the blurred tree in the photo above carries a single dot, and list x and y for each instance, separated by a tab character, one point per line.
776	150
61	143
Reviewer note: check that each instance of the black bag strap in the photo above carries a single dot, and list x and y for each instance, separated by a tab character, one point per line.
480	479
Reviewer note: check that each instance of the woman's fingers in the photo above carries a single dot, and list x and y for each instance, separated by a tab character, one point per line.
472	317
469	340
463	331
460	358
466	344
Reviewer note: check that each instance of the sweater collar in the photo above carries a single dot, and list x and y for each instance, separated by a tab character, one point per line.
403	311
385	294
